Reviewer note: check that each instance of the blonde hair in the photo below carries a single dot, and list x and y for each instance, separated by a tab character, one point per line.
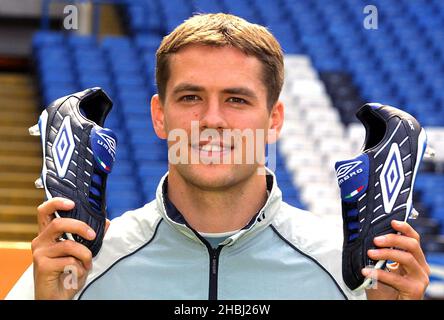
221	30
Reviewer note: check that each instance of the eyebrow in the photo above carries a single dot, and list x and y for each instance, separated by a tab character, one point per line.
195	88
187	87
241	91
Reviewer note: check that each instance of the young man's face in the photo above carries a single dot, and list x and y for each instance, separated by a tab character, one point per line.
218	89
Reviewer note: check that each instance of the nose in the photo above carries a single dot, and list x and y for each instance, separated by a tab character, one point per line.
212	116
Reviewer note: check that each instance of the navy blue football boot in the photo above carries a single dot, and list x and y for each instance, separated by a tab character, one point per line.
78	155
377	186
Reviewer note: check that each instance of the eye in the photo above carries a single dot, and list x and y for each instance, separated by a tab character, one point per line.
237	100
190	97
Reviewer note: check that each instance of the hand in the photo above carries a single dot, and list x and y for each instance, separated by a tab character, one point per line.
408	277
60	267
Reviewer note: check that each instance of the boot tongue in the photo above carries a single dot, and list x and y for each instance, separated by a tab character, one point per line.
103	143
353	177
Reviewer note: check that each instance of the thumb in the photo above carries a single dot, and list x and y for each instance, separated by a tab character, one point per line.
107	223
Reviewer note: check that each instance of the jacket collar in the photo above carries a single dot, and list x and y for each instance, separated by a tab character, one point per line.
260	221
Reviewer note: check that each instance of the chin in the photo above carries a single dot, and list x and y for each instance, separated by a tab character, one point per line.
215	176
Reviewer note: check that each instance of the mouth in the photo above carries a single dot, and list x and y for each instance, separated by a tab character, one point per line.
212	149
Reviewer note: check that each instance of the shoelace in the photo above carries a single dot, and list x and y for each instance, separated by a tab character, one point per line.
95	195
353	224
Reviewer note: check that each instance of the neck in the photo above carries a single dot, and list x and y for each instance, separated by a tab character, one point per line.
215	211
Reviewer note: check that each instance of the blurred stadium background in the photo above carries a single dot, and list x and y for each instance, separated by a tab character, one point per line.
333	65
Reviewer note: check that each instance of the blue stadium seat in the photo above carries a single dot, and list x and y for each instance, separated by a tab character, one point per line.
208	6
121	183
123	198
116	42
53	76
47	38
55	92
151	169
149	43
81	41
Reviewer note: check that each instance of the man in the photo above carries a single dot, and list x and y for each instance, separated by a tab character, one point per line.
217	229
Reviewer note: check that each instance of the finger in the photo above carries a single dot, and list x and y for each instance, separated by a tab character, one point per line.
47	209
406	243
405	229
45	265
393	280
406	259
392	267
57	227
396	267
107	223
69	248
408	231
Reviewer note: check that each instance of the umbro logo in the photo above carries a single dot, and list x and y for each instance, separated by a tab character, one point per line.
391	178
347	170
110	142
63	147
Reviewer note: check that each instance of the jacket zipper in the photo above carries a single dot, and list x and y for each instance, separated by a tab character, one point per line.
214	267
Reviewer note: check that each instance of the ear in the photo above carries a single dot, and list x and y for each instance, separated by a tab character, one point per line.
276	120
158	117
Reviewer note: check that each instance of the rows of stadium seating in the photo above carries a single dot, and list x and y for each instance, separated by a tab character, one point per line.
400	63
404	53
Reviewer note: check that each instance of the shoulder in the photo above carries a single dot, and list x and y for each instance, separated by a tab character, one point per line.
131	229
311	234
317	237
308	231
